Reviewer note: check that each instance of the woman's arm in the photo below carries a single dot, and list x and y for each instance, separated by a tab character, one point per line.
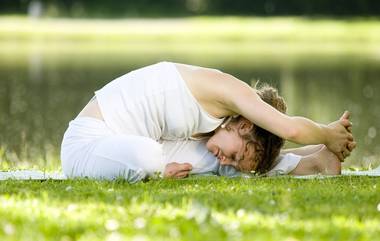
241	99
311	149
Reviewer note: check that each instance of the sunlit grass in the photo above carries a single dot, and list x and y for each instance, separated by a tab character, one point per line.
196	209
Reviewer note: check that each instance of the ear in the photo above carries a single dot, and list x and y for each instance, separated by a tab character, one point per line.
245	126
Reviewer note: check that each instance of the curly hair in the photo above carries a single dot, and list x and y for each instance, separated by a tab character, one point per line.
266	144
269	144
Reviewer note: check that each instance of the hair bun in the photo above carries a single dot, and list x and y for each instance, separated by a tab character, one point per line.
270	95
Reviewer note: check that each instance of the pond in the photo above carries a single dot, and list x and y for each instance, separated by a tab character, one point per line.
43	86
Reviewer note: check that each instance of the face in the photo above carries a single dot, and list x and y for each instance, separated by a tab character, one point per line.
231	149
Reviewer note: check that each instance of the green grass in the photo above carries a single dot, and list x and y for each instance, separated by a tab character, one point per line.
343	208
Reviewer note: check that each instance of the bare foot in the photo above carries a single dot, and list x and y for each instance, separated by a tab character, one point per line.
327	162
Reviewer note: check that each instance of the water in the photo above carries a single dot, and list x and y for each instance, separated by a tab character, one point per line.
42	88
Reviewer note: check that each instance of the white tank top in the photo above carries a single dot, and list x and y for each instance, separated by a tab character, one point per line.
155	102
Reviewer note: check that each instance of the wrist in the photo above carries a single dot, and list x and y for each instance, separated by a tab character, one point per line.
325	134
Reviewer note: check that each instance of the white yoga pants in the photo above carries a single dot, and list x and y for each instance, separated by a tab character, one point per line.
90	149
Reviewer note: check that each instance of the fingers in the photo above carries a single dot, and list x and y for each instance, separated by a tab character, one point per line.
346	115
186	166
346	153
351	146
346	123
340	156
182	174
169	173
344	119
350	137
178	170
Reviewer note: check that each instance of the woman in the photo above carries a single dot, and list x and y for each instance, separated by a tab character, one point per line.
169	101
193	157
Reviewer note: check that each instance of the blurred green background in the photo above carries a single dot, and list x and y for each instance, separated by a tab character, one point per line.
180	8
324	56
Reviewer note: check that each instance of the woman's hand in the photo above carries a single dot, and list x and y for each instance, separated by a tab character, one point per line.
177	170
340	139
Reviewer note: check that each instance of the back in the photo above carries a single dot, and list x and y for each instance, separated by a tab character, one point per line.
154	102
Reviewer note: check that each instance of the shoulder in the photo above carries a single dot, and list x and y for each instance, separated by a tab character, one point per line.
214	88
211	80
230	91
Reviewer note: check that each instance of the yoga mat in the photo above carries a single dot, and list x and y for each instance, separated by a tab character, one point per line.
31	175
373	173
40	175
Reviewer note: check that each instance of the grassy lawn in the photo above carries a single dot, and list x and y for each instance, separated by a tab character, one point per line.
210	208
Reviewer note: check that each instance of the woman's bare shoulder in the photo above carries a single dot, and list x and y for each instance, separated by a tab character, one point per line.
208	78
212	87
